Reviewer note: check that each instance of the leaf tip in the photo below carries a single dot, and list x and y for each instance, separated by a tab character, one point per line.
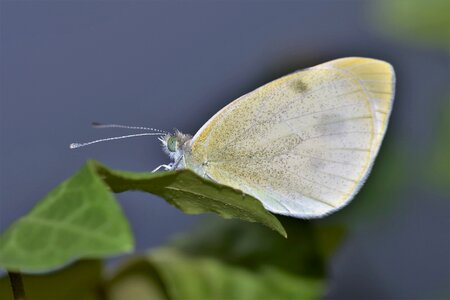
283	232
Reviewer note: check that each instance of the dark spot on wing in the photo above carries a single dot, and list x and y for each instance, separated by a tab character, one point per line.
298	86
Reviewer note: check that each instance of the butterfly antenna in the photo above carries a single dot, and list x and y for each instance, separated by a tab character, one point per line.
101	125
79	145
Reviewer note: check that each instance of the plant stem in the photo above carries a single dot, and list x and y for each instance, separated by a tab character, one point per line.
15	278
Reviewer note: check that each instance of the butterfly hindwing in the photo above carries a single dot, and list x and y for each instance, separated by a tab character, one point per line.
302	144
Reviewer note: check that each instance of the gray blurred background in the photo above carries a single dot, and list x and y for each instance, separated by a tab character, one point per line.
173	65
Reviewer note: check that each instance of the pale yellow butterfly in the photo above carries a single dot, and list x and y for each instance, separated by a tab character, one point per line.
302	144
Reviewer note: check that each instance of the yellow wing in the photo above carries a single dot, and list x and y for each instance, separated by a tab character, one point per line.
302	144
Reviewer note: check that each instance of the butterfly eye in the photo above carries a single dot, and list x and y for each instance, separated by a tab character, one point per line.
172	144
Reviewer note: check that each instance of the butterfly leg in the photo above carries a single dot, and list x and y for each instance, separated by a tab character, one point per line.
166	167
174	165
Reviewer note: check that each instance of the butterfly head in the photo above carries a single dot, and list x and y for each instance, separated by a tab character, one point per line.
174	143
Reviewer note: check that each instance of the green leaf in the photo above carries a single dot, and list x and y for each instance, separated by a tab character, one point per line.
79	219
81	280
192	194
187	277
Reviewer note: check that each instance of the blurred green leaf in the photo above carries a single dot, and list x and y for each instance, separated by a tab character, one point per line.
305	253
416	20
78	219
187	277
233	260
81	280
379	194
136	278
438	166
192	194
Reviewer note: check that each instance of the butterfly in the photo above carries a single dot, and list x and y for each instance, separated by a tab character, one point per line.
302	144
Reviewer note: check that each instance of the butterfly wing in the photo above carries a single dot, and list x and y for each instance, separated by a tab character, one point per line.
302	144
